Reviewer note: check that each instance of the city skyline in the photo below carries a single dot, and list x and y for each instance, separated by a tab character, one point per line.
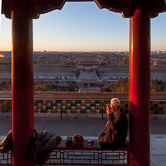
84	27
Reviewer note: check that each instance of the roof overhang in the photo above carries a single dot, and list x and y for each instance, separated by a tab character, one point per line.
125	7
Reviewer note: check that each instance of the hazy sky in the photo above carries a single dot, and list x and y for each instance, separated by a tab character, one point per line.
84	27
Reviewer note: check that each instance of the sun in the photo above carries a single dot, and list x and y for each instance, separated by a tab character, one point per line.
2	56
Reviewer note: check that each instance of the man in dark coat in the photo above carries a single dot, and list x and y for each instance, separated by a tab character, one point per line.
41	144
115	132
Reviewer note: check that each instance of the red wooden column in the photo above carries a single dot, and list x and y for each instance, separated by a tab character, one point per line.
22	85
139	89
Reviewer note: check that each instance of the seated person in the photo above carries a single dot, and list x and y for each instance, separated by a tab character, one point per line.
41	144
76	140
115	132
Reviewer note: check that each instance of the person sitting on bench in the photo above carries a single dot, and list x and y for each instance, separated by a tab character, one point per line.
115	132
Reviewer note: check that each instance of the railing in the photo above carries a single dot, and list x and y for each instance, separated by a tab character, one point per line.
63	107
86	155
80	157
51	95
78	107
5	159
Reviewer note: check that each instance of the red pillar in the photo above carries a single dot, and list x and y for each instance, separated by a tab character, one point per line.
22	85
139	89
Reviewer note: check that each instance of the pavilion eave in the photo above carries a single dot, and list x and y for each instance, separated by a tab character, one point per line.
125	7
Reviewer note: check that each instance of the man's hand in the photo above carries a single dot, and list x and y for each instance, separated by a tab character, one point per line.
108	110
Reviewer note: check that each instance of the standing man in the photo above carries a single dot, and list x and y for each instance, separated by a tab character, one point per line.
116	128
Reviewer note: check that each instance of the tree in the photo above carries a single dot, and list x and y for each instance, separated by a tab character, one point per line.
5	86
157	86
118	86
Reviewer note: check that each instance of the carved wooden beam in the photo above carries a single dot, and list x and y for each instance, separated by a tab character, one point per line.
125	7
7	8
45	6
156	7
37	7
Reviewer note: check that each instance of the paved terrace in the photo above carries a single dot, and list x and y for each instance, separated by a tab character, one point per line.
88	126
92	126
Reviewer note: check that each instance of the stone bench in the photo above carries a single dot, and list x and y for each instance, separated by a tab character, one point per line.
85	155
88	155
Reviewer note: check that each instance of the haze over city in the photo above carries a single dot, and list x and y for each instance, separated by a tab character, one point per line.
83	27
